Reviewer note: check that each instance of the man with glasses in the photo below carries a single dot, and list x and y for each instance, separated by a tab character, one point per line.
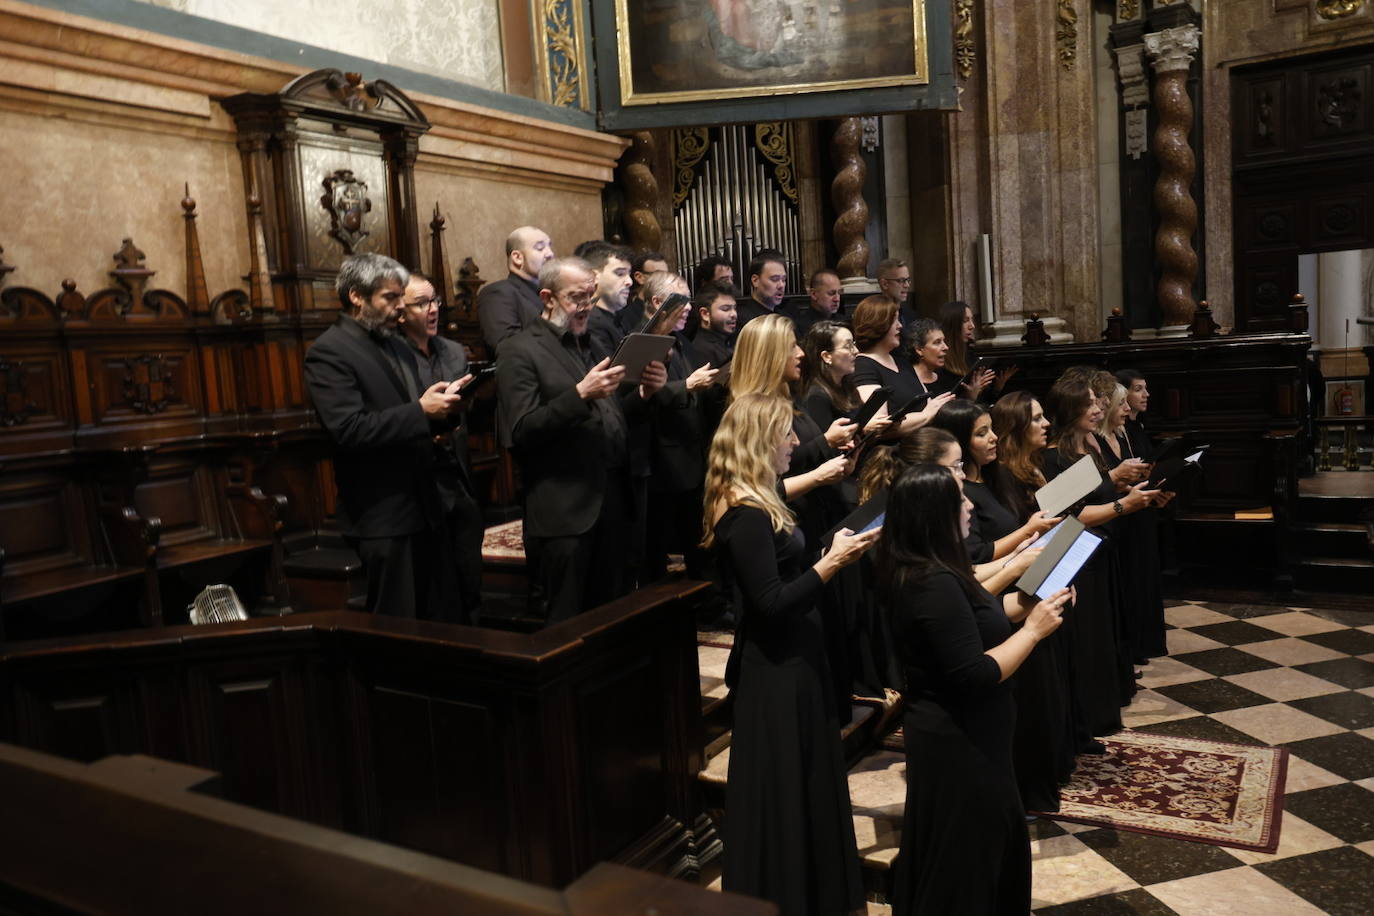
429	359
566	418
894	279
383	432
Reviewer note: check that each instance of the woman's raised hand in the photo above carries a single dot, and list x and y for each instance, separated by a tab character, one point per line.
846	546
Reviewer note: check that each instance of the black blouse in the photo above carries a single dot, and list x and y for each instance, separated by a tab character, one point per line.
903	382
991	521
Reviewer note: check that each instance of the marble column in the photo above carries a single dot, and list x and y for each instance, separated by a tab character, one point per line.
847	194
1171	52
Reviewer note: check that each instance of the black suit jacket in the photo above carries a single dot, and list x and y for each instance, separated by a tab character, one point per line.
606	333
504	307
453	365
679	451
746	310
383	457
558	439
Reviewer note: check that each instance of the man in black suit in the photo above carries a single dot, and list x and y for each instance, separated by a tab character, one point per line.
388	504
506	306
567	418
612	266
824	295
716	318
767	286
434	359
642	265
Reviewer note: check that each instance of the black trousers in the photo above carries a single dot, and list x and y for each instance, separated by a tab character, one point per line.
583	571
405	575
465	526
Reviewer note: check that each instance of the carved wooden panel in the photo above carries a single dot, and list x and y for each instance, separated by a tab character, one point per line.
437	769
1338	106
1259	109
83	715
1342	219
248	725
323	158
135	386
1268	223
182	493
620	725
42	523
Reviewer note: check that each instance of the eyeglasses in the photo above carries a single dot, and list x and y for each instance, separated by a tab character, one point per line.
957	469
900	281
425	305
848	345
579	299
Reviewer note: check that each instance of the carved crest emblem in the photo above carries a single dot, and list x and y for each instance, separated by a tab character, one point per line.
345	197
16	408
148	384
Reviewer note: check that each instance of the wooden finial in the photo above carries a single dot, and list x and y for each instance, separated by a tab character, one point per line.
197	291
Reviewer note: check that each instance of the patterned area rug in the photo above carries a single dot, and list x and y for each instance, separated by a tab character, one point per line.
504	543
1185	788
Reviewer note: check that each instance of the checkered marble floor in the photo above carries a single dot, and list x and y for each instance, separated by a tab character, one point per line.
1302	678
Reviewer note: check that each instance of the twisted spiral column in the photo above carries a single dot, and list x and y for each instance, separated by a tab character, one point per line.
847	194
641	192
1171	51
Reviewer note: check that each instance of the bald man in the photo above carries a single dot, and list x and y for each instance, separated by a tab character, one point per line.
506	306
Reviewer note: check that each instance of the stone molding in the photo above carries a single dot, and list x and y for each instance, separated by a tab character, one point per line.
1172	49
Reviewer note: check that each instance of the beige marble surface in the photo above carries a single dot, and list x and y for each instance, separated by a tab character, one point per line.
1296	623
1063	869
1297	838
1150	708
1291	651
1191	615
1162	672
1276	723
1283	684
1233	892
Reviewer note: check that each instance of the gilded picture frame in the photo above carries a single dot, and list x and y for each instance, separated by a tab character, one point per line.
725	49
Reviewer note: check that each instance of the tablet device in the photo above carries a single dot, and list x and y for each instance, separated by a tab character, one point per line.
480	377
1070	545
638	350
665	319
1078	481
868	516
869	409
916	404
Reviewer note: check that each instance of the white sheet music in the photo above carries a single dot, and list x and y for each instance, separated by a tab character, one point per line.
1069	565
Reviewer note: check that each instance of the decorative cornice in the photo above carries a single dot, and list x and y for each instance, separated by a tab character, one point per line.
1066	33
1130	69
1172	49
964	49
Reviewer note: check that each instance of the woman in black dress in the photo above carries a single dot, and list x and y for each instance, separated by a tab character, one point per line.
789	832
1137	540
1102	678
882	364
964	843
828	357
956	320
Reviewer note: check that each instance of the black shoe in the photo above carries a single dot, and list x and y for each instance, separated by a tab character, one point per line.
1093	748
1139	675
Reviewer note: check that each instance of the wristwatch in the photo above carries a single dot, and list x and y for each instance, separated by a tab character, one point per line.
1116	506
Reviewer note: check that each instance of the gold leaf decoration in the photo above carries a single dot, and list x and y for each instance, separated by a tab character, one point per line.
963	37
775	140
689	146
562	56
1338	9
1127	9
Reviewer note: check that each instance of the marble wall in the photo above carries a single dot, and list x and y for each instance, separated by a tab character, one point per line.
102	126
457	39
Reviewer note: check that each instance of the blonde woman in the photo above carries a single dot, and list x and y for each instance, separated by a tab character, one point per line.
789	834
768	361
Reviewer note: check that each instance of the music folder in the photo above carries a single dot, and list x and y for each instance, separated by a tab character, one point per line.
1069	487
869	409
1171	470
865	518
638	350
1067	547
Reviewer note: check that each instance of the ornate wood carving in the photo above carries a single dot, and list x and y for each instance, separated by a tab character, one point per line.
345	199
260	297
641	192
149	384
438	268
559	26
131	274
776	141
847	194
1171	51
1127	9
689	148
17	406
197	295
1036	335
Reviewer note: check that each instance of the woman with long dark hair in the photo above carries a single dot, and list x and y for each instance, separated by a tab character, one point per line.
964	843
789	832
1103	681
956	320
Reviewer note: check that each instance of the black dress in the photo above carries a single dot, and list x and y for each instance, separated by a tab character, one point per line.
1043	745
945	381
1102	680
789	829
1142	607
964	844
903	382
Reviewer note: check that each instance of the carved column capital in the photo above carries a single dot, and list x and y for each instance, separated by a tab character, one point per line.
1173	49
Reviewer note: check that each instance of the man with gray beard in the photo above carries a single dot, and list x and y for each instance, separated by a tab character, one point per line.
388	503
566	419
